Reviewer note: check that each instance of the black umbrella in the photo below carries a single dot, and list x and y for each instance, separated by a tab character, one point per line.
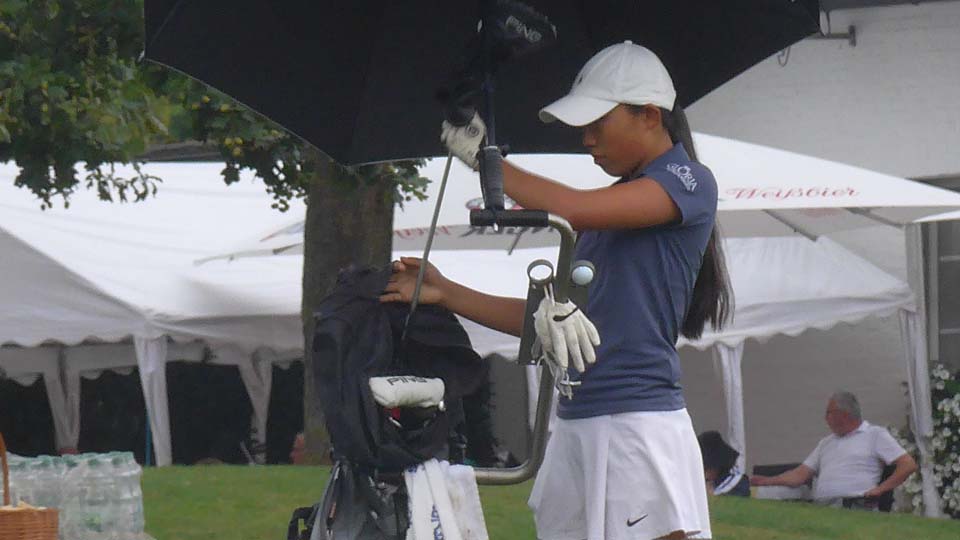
359	79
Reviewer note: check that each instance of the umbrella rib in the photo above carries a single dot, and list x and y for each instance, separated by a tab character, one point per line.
793	226
170	14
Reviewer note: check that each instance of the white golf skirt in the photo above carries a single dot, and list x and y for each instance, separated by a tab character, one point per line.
636	476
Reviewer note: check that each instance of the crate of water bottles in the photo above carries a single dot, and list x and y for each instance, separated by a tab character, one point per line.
98	495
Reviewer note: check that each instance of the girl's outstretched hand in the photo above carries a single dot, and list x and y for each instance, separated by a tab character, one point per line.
404	279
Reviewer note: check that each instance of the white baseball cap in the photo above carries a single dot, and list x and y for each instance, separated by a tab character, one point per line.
621	73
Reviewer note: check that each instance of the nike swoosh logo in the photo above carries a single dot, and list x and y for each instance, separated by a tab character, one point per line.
561	318
631	523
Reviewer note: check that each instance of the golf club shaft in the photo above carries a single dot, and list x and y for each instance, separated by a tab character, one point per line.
421	273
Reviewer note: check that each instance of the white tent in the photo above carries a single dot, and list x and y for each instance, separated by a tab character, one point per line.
106	273
762	192
782	286
100	272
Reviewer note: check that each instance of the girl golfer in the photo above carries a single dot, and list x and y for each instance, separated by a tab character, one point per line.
623	460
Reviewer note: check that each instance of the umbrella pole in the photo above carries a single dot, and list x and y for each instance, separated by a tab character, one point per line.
491	169
489	20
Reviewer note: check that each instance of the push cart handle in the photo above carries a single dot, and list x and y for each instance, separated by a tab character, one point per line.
537	446
536	218
538	440
509	218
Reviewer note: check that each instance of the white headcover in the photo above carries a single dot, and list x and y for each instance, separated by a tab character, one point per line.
621	73
407	391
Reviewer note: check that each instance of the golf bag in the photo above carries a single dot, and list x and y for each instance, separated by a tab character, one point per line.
356	338
355	507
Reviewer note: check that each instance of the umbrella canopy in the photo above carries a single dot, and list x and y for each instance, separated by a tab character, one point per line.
358	79
763	192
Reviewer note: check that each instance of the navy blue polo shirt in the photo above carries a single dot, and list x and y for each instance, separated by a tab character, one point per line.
640	296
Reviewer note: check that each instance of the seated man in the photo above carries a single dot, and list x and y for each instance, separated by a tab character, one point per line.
849	462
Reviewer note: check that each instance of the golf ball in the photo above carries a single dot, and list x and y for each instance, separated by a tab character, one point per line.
582	275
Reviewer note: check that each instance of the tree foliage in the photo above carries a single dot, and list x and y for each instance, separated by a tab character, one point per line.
72	91
286	165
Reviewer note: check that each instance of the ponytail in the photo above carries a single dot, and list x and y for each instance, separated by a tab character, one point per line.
712	295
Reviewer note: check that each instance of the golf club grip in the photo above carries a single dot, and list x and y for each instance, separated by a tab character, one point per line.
509	218
491	177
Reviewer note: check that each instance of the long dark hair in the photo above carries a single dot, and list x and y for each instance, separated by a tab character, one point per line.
712	295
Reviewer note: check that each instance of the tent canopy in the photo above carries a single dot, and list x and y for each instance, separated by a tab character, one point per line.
110	272
763	192
789	285
781	286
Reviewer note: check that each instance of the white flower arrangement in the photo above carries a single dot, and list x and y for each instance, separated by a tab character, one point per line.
945	445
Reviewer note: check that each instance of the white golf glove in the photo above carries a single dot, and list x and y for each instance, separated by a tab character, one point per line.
565	332
464	141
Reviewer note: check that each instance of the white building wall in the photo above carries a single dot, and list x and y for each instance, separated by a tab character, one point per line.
891	103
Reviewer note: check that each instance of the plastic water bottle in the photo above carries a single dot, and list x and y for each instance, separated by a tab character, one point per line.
21	482
71	511
97	490
10	463
129	495
15	479
134	475
123	495
46	488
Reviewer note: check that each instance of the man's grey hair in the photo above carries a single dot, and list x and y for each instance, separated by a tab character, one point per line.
848	403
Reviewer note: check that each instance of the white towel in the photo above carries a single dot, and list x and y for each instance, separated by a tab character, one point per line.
465	498
444	503
431	514
423	516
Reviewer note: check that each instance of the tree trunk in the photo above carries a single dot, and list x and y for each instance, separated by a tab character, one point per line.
349	221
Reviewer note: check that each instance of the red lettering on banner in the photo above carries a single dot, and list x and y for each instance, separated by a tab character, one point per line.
417	232
405	233
742	193
790	193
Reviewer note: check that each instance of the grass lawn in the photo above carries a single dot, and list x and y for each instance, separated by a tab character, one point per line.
254	503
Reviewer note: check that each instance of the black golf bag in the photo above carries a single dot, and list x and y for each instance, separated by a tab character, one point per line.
355	338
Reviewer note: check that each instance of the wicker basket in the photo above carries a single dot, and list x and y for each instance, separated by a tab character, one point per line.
25	523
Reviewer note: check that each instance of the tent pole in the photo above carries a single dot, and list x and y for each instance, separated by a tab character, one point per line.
793	226
868	213
148	443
